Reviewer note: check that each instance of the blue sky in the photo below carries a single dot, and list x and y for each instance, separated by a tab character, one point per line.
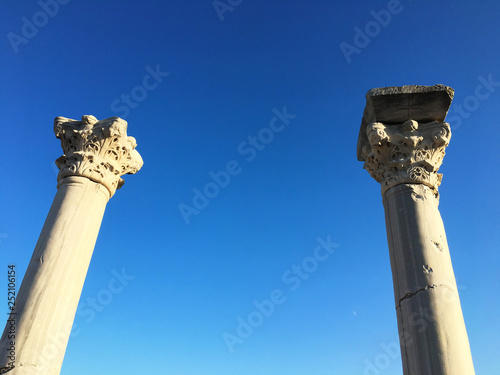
217	78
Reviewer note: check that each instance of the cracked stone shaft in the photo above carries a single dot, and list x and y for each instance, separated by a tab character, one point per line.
432	332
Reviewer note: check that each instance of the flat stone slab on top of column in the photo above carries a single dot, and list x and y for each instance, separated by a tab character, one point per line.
395	105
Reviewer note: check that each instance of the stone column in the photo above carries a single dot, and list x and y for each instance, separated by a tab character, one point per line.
96	155
402	141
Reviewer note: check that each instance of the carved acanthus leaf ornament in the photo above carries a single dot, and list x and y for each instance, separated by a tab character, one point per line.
98	150
408	153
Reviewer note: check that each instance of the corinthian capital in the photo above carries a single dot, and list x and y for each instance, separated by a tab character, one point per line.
403	135
409	153
98	150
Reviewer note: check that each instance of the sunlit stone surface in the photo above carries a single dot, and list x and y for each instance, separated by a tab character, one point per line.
402	141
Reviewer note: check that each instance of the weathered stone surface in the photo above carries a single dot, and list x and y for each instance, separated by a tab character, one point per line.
48	297
427	302
402	141
436	340
395	105
433	337
406	153
98	150
96	155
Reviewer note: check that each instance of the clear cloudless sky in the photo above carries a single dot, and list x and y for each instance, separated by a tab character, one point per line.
194	278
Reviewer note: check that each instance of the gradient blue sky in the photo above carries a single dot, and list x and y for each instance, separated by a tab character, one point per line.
193	280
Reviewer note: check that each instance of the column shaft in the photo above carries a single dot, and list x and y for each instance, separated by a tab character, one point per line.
48	297
432	331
